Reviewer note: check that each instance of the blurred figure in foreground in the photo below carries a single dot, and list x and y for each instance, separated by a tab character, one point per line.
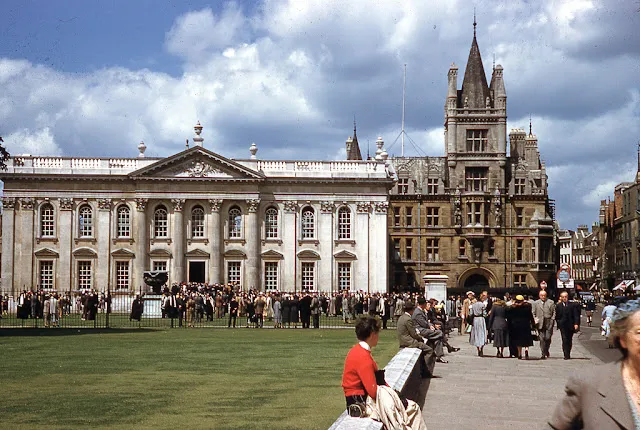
608	398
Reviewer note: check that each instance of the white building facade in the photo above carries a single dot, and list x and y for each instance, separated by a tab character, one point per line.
93	223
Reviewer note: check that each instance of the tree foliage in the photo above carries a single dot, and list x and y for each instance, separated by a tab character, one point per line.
4	156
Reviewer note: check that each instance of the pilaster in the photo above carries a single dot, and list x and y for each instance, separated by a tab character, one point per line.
360	269
290	245
140	234
24	243
103	233
178	243
253	245
8	249
326	236
216	265
65	235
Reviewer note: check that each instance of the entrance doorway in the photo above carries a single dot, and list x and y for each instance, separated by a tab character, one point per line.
196	271
476	283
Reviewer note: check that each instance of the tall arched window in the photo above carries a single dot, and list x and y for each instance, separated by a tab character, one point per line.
85	221
197	222
47	220
271	223
344	223
160	222
308	223
235	223
124	221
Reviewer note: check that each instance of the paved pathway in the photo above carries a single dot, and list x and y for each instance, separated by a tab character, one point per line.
472	392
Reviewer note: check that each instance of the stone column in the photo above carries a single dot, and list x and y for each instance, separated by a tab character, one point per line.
216	264
378	249
360	267
24	242
252	237
178	240
103	235
326	237
289	246
65	230
8	238
141	234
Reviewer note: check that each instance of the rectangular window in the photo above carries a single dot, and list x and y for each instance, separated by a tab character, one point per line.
124	222
432	185
271	275
47	215
403	185
432	217
476	140
409	216
308	276
476	179
432	250
519	250
492	248
408	249
84	275
46	275
396	216
534	256
122	275
233	271
396	249
344	276
159	266
519	185
462	247
520	280
474	213
519	217
546	250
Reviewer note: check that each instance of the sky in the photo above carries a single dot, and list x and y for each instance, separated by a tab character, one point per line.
94	78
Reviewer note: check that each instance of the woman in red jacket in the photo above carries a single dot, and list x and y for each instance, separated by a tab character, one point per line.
359	378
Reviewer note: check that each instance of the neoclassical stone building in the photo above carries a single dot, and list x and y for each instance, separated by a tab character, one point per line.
481	214
74	223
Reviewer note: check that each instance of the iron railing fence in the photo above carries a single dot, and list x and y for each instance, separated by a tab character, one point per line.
77	309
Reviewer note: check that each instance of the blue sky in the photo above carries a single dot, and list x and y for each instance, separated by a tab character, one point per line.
93	78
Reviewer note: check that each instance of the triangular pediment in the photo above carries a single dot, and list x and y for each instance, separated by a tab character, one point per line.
197	163
272	255
122	253
197	253
235	253
160	253
46	252
85	252
309	254
345	255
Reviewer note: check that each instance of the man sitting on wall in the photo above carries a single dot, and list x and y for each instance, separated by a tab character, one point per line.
409	338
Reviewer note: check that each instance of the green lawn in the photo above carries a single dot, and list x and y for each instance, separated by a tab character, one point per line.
196	378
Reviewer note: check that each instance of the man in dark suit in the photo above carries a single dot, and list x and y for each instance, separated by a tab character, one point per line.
568	321
305	310
408	337
427	330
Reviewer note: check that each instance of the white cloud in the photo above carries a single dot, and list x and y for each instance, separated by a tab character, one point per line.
39	142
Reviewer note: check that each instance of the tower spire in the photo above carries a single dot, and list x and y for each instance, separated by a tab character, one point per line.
474	23
354	127
530	133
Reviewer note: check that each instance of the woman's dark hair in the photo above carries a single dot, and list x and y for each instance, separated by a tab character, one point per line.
365	326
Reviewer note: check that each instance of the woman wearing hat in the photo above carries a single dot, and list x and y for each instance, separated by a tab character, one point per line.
608	398
521	323
478	337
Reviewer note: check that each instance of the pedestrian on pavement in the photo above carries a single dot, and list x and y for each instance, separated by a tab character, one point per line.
478	336
409	338
607	314
498	327
590	307
608	398
466	305
544	315
568	321
521	323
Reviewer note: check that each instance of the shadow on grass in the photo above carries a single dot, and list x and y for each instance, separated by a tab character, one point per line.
70	331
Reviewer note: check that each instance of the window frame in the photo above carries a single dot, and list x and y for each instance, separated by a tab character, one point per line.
122	224
235	228
271	227
307	223
83	225
344	223
51	221
160	224
198	221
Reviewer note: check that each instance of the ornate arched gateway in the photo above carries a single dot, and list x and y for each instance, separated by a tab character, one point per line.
477	279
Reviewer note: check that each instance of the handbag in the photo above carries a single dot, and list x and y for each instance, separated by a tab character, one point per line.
534	335
468	329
